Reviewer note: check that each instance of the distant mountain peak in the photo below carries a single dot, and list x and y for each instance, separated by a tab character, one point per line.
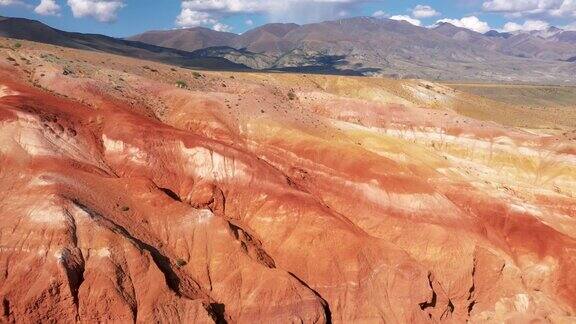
359	19
36	31
495	33
446	27
187	39
547	33
450	30
277	29
444	24
363	45
554	28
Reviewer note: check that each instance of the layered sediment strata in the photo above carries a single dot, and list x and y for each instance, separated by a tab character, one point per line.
261	197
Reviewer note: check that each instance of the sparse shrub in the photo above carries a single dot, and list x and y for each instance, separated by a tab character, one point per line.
181	84
181	262
196	75
17	45
67	71
291	95
173	69
125	208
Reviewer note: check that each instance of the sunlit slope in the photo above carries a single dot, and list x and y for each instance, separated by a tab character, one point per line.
141	191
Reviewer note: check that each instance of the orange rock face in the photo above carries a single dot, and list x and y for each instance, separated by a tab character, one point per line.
248	198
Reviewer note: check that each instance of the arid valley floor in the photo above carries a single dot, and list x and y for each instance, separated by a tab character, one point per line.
137	191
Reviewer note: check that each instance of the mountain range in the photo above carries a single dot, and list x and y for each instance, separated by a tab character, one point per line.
135	191
361	46
387	47
26	29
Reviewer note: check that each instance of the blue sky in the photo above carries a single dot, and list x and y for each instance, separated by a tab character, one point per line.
122	18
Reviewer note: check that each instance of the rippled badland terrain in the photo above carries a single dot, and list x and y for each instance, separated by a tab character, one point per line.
136	191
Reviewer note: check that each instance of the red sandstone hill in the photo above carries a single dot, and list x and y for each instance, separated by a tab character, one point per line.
132	191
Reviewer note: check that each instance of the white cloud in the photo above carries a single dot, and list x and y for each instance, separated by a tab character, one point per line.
571	26
263	6
379	14
231	6
528	25
47	8
101	10
471	22
221	27
568	8
424	11
299	11
191	18
409	19
518	8
249	22
514	5
10	2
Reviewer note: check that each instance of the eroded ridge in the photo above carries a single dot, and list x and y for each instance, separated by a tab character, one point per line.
273	197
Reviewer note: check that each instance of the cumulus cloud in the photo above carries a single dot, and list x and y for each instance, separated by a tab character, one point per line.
514	5
379	14
101	10
249	22
424	11
10	2
191	18
518	8
528	25
47	8
210	12
409	19
471	22
221	27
